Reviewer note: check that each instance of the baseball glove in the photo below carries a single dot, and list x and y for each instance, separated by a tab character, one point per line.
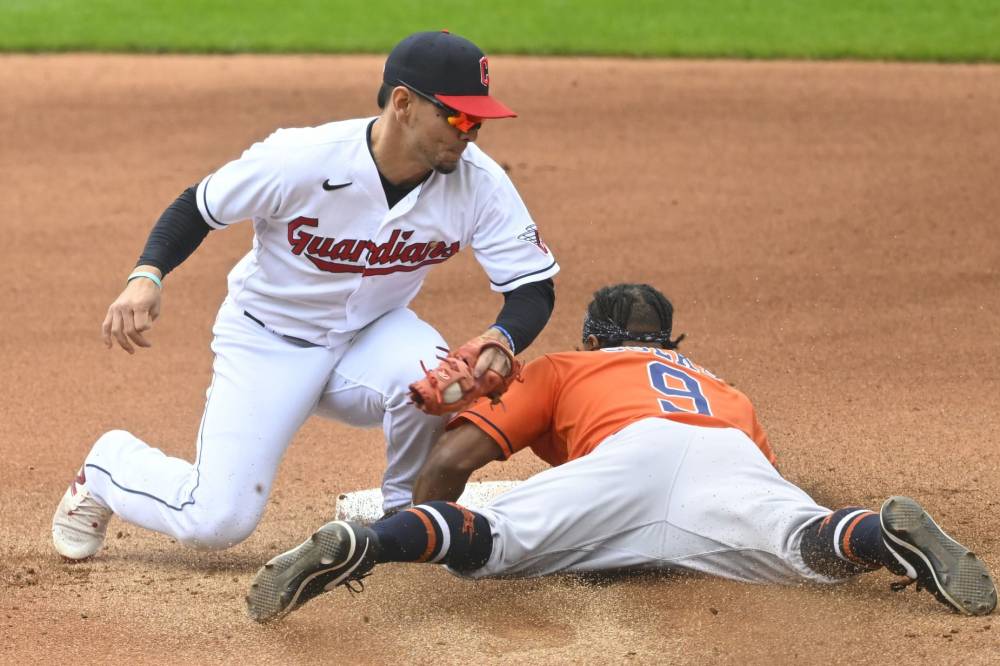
452	386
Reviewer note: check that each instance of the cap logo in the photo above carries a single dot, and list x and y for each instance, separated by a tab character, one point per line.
484	71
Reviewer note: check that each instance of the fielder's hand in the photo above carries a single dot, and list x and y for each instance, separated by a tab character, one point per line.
133	313
497	359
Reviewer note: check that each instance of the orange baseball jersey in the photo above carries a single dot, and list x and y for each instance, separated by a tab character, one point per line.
570	402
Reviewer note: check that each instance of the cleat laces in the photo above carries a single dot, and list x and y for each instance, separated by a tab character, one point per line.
355	584
87	510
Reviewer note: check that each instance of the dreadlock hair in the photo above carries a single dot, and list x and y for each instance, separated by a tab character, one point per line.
615	307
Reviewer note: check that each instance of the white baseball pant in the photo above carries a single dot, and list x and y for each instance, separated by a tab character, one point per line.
656	494
262	391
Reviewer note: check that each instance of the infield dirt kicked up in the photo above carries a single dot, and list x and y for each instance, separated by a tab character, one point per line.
828	233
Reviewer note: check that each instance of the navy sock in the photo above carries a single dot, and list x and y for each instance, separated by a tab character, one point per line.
438	532
845	543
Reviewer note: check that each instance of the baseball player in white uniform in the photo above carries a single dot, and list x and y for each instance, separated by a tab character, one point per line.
657	463
348	217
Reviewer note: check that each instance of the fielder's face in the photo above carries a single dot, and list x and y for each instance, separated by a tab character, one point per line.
436	141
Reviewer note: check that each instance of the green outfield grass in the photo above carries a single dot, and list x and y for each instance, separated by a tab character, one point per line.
946	30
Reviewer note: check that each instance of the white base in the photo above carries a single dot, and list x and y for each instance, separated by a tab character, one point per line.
365	506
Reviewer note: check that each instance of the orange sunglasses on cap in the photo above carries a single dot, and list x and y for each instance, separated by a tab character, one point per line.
460	120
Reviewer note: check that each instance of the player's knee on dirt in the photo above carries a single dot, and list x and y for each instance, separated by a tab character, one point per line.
221	528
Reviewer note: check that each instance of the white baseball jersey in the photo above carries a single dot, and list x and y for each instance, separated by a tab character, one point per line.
329	256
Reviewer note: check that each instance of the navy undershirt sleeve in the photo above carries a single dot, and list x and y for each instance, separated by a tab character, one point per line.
526	310
176	234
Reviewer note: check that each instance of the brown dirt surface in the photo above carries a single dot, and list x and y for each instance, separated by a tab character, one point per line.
827	231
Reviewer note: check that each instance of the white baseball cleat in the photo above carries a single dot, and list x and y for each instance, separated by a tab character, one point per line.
79	523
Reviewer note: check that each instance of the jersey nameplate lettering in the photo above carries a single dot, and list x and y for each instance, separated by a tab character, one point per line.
341	256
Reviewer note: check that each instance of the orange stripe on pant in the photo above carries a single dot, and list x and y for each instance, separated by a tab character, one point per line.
431	537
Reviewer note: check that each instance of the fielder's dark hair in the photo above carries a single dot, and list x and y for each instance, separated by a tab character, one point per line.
384	91
614	308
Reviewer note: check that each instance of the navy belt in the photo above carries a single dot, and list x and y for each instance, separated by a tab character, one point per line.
298	342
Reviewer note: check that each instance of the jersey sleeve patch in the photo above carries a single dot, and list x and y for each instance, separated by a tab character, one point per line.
531	235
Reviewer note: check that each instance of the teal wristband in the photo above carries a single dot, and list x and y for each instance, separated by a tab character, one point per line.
145	274
506	335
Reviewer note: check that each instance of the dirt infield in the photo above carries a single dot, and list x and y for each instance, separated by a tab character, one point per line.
828	234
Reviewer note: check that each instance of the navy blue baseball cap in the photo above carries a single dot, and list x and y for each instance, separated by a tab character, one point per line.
449	68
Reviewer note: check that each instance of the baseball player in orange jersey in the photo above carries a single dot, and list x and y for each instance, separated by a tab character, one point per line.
657	463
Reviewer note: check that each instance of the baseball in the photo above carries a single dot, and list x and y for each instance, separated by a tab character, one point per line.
452	393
